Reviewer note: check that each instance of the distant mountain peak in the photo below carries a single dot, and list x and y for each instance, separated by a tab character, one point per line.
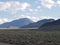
55	25
18	23
38	24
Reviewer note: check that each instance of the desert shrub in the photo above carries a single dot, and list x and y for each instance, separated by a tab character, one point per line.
30	37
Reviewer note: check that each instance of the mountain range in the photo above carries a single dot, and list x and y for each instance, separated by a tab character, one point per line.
38	24
45	24
16	23
25	23
55	25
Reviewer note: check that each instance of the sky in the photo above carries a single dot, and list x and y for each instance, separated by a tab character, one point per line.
33	9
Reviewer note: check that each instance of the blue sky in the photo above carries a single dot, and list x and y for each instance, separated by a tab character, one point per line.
33	9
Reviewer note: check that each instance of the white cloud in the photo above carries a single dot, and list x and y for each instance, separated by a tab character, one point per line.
58	3
33	10
47	3
33	18
3	20
47	17
13	6
4	6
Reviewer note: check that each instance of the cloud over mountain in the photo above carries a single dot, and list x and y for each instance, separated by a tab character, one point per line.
3	20
33	18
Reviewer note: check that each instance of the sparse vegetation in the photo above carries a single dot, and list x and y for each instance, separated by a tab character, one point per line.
30	37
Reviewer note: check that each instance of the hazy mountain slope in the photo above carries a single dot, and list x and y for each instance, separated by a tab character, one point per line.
19	23
55	25
38	24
